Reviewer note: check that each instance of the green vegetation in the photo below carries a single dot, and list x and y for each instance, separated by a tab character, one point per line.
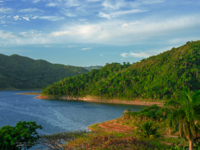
147	130
22	136
84	84
160	77
175	126
17	72
150	129
93	67
187	117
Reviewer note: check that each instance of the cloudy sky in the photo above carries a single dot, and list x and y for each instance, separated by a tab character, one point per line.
95	32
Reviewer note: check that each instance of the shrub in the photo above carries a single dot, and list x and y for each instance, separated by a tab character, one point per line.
23	135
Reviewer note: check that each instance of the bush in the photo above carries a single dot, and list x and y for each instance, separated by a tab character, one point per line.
23	135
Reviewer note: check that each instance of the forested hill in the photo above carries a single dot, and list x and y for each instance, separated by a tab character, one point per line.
93	67
25	73
158	77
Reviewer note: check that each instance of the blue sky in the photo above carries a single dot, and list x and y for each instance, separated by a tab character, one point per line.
96	32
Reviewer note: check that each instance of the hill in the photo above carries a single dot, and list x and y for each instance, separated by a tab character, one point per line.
24	73
93	67
157	77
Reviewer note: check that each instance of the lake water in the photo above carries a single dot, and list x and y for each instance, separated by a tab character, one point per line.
54	115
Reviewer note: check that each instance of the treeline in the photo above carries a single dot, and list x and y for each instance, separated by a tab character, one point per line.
93	67
157	77
25	73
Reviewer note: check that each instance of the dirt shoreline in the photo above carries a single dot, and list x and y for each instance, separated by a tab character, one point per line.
97	100
29	93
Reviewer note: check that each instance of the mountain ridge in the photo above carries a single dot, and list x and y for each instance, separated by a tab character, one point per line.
158	77
20	72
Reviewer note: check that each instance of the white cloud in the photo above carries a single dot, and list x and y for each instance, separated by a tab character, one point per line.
128	24
127	12
114	5
29	10
3	22
6	35
132	54
31	34
93	0
153	1
114	32
16	17
68	14
60	33
119	32
182	40
52	4
72	3
26	18
34	17
119	13
147	53
103	15
5	10
35	1
83	49
102	55
82	19
51	18
72	46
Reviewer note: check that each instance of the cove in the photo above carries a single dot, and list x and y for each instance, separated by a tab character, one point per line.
54	115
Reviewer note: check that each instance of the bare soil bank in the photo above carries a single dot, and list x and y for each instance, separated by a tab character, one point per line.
98	100
31	93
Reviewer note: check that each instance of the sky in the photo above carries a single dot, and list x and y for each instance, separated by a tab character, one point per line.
96	32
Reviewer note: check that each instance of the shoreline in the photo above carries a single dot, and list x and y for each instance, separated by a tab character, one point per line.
33	93
97	100
19	89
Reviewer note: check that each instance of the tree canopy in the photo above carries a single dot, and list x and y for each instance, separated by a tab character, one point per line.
25	73
158	77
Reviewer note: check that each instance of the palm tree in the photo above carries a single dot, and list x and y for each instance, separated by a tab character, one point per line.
186	116
147	130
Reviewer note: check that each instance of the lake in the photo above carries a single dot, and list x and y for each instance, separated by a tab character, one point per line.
54	115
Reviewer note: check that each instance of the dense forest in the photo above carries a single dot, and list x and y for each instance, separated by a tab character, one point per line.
158	77
24	73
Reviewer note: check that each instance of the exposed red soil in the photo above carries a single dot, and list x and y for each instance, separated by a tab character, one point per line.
98	100
41	97
114	126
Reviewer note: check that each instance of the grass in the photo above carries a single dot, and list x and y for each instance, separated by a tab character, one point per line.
110	140
114	141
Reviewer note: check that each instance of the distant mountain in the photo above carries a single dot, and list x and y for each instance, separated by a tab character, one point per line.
158	77
25	73
93	67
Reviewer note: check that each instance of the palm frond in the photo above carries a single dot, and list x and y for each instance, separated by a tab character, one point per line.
183	100
196	98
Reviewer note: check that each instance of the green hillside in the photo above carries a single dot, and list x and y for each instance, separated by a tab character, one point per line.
25	73
158	77
93	67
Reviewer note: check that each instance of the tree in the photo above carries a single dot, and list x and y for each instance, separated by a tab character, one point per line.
187	117
147	130
23	135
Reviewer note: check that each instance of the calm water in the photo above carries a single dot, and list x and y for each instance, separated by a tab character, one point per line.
55	116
